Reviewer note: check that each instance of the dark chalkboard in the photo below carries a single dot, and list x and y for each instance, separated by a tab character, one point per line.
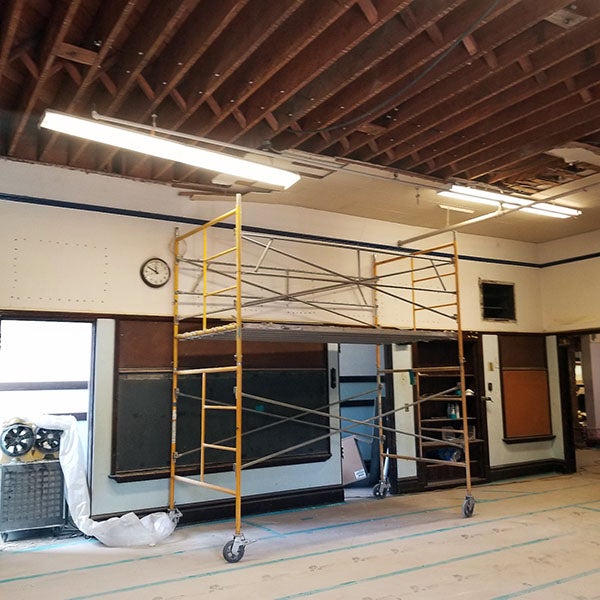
141	442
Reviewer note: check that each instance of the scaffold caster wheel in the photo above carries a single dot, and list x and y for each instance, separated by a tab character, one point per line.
233	551
468	506
380	490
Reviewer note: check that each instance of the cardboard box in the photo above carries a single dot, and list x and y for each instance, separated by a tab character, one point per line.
353	467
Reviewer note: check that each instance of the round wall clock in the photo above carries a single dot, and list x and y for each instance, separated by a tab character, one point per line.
155	272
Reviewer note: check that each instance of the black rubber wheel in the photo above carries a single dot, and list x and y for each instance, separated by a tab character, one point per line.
468	506
17	439
228	554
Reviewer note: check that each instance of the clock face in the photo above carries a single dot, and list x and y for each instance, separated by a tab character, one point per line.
155	272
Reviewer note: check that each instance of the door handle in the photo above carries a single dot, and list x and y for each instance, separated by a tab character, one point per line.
332	378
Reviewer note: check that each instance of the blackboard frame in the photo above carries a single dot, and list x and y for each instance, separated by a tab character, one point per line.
143	421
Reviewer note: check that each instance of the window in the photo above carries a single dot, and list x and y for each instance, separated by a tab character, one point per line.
45	367
497	301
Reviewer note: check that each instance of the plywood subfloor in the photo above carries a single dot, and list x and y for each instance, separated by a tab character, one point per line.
536	539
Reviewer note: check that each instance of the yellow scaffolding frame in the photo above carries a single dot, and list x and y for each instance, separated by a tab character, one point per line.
234	549
327	279
444	309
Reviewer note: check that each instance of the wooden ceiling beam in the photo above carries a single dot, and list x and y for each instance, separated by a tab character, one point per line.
295	60
108	27
485	97
579	124
77	54
470	45
522	171
302	62
58	28
146	88
30	65
220	60
435	34
108	84
506	138
410	59
321	91
491	59
178	60
72	71
179	99
8	30
516	103
369	10
447	79
156	28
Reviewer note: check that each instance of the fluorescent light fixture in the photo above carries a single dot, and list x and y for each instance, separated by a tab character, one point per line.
508	202
160	147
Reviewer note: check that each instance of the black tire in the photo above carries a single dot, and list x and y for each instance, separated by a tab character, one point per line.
228	554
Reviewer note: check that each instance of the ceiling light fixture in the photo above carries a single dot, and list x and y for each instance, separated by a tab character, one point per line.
508	202
161	147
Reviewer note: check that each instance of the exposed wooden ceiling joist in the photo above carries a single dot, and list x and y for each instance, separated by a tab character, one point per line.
448	89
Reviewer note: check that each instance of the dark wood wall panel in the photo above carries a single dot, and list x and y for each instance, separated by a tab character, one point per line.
148	344
523	351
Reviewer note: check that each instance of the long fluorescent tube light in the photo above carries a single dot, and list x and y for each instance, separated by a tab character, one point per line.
506	201
153	145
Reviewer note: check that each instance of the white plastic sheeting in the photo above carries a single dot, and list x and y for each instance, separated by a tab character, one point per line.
127	530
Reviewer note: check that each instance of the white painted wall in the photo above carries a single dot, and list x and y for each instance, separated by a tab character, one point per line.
74	260
405	417
509	454
571	292
83	261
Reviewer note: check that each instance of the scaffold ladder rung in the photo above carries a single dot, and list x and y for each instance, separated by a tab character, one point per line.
440	369
435	277
218	447
204	484
435	306
205	370
208	331
220	291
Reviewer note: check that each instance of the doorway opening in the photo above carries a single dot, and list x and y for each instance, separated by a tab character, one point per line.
580	390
